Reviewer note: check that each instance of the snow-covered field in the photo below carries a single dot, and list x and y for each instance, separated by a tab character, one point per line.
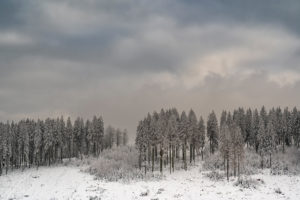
69	182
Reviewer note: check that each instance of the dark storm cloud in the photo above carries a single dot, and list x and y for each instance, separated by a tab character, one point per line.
126	58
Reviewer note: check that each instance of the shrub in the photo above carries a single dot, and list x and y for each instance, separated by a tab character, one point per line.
252	162
118	164
214	176
286	163
278	191
213	162
248	183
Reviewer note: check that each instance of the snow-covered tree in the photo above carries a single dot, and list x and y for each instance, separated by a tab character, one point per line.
296	129
225	146
280	127
248	126
125	137
38	143
7	145
69	138
2	143
200	140
268	142
183	135
255	130
48	140
118	137
61	136
163	142
172	137
89	136
99	133
77	132
286	129
264	116
192	133
262	143
212	132
237	143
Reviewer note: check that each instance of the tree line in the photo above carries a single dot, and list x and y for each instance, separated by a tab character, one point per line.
115	137
33	143
167	136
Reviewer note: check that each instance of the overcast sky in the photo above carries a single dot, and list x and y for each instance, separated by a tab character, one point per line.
124	58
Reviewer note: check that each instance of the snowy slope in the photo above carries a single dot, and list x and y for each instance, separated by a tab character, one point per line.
63	182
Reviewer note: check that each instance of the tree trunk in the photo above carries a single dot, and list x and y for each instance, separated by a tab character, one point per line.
173	152
227	168
153	152
149	154
7	163
183	153
0	165
61	155
140	160
191	153
49	160
283	145
234	164
170	157
185	160
238	166
210	148
155	147
270	160
194	153
161	160
167	161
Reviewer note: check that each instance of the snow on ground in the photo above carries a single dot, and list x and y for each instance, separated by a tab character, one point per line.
62	182
59	182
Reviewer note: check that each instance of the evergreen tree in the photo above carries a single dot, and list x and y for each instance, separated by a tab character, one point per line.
171	136
77	137
201	136
125	138
89	136
297	130
69	138
263	115
225	146
183	135
118	137
212	132
248	126
268	142
48	137
262	143
255	130
280	128
237	148
223	118
192	133
38	143
61	136
2	139
162	124
286	129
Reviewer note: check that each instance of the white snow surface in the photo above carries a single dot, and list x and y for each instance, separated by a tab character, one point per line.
69	182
